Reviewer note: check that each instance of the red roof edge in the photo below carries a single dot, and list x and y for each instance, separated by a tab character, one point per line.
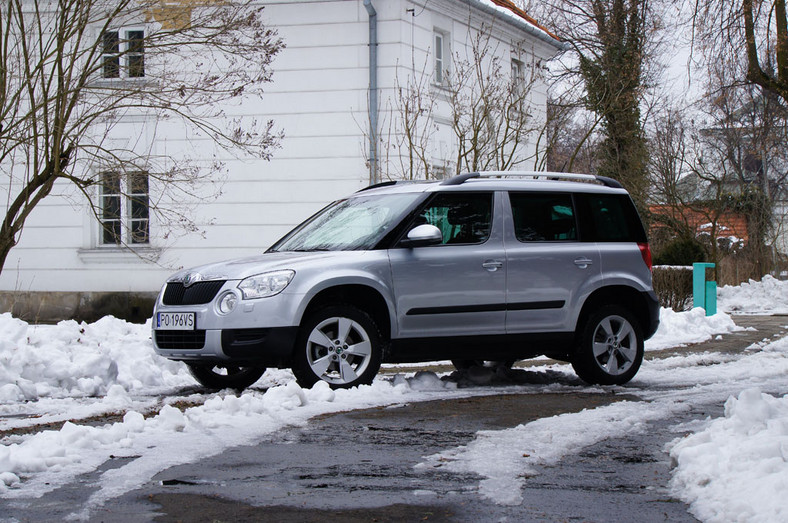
508	4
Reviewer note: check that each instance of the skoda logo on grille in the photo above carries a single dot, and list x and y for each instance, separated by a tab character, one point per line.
191	279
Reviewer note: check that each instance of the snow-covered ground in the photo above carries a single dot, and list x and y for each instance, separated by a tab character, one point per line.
768	296
111	397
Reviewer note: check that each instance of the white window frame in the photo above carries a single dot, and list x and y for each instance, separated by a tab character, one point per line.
123	209
441	52
518	73
124	55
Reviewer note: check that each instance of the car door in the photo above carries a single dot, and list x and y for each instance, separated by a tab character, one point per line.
548	268
456	287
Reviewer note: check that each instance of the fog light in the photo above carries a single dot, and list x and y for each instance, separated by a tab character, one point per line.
227	303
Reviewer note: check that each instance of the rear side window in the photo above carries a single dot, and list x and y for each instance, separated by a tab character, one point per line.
463	218
541	217
610	218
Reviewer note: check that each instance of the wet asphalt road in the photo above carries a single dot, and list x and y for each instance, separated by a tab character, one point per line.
359	466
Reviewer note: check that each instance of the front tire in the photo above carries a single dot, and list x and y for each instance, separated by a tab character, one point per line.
610	348
340	345
225	376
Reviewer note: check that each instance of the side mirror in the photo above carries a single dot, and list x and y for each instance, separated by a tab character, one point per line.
423	235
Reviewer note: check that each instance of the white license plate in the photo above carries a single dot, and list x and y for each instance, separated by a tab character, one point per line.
175	321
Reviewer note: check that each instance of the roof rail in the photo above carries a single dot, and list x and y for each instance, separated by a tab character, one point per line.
604	180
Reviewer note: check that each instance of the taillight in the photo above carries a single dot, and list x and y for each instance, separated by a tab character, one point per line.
645	251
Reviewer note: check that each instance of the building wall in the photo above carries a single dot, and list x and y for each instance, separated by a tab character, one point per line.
318	99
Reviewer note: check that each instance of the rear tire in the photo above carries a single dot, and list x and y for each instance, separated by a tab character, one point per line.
340	345
610	347
225	376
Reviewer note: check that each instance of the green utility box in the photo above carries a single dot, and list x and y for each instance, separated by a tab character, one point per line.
704	293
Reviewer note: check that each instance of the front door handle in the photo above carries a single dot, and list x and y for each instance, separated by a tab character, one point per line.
583	262
492	265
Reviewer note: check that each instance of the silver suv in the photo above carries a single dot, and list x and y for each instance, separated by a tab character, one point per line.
482	267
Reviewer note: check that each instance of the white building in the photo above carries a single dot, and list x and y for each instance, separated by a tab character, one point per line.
339	54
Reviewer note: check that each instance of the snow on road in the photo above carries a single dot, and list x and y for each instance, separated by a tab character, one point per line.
68	373
669	386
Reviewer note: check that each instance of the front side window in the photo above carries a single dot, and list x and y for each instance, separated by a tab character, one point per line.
124	210
540	217
123	54
463	218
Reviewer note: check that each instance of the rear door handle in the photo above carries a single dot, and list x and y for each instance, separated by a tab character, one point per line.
492	265
583	262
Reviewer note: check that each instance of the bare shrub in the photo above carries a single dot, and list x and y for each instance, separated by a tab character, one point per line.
673	285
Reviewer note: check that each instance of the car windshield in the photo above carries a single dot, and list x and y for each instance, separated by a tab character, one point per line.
356	223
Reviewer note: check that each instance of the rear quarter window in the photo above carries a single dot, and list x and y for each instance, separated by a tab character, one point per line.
609	218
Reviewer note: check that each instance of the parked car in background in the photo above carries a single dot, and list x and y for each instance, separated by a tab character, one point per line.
481	267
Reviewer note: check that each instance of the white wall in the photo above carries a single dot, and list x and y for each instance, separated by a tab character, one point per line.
318	98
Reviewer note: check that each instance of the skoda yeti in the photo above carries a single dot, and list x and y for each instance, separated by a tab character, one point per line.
482	267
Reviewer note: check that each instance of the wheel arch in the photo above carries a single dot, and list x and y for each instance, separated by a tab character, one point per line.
364	297
628	297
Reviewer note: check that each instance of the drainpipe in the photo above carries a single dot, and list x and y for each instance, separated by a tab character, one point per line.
373	91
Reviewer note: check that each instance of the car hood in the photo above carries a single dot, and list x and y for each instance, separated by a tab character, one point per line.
241	268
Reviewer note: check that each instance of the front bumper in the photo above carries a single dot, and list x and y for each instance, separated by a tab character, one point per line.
272	347
261	331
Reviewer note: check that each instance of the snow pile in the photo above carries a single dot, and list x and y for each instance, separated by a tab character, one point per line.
46	460
768	296
737	468
73	359
681	328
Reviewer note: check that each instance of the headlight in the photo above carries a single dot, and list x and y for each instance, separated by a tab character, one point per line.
264	285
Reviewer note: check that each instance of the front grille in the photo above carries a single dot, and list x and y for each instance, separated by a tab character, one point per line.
177	293
180	340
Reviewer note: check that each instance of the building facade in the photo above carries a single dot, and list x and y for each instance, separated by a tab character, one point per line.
337	97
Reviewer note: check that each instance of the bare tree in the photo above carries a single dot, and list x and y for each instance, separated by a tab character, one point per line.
489	100
71	71
731	160
751	36
571	138
485	102
749	135
612	45
410	128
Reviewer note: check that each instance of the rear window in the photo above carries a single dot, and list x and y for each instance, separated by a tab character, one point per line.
609	218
